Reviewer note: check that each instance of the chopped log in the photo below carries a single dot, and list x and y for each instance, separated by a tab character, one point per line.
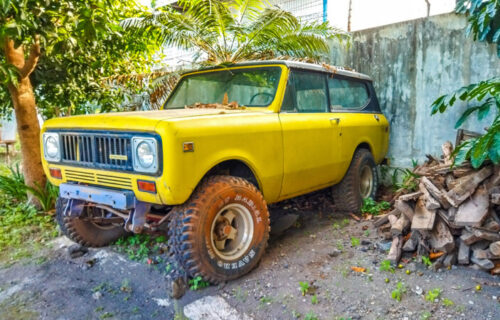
392	219
463	135
441	239
495	248
380	220
410	196
480	253
481	244
495	198
475	210
490	224
462	172
461	192
463	253
486	235
423	219
496	269
449	181
401	224
451	259
447	148
469	238
483	263
445	215
494	180
412	242
435	192
395	250
430	202
405	208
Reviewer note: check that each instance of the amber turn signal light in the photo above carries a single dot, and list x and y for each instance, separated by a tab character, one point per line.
55	173
148	186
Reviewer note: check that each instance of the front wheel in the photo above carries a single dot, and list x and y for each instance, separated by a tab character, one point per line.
221	233
92	229
360	181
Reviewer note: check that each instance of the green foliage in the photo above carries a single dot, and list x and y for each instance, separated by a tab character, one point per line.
314	299
24	230
137	247
404	179
355	242
311	316
447	302
397	293
427	261
304	287
433	294
198	283
372	207
386	266
339	245
483	18
426	315
82	43
226	32
487	96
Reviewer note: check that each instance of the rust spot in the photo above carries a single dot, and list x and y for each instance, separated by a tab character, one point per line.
25	127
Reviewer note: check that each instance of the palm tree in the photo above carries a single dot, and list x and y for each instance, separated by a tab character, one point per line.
227	32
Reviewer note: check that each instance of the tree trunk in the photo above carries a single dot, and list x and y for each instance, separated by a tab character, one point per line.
349	16
23	99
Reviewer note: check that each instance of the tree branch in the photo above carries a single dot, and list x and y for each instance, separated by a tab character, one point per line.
32	61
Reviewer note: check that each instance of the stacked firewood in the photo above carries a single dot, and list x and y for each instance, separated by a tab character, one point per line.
453	216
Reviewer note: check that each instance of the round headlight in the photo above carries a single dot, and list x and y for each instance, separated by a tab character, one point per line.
51	147
145	154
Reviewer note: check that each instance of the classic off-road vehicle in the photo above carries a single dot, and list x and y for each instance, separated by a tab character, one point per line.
228	141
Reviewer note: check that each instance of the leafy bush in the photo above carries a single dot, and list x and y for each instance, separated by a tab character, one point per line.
386	266
433	294
397	293
304	287
12	183
372	207
198	283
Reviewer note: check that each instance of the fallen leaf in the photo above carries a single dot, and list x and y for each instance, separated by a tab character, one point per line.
435	255
358	269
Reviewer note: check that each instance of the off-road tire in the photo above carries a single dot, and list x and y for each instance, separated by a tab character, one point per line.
190	229
347	194
83	232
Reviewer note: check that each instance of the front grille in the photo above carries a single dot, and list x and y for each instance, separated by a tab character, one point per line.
75	175
97	150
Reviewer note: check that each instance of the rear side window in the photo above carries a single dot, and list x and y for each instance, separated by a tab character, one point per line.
347	94
306	92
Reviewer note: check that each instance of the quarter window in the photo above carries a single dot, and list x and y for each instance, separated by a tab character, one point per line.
347	94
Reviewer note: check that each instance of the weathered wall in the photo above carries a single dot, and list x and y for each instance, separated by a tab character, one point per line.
412	63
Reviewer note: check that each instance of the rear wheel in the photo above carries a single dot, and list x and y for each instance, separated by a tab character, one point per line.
91	229
360	181
222	231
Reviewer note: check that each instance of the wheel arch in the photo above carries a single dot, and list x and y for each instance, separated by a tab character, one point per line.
234	167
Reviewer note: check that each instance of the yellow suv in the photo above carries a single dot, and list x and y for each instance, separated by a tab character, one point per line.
228	141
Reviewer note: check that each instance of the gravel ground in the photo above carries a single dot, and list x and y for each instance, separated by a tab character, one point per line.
318	249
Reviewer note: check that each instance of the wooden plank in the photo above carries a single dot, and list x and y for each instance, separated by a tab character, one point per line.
405	208
430	202
475	210
395	250
410	196
466	188
486	235
435	192
469	238
412	242
441	238
495	248
495	198
463	253
401	224
423	219
447	148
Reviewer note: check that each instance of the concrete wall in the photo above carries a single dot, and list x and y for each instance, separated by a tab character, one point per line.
412	63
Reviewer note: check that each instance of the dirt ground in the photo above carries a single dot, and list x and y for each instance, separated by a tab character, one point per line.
318	249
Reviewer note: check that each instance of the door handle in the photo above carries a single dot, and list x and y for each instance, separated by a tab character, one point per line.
335	119
376	117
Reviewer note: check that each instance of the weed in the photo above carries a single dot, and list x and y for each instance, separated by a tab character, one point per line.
426	315
137	247
372	207
106	315
397	293
366	233
239	294
125	287
386	266
135	310
296	314
336	226
433	294
340	246
314	299
447	302
99	309
100	287
311	316
179	314
304	287
409	180
355	242
198	283
427	261
168	268
265	300
460	308
345	222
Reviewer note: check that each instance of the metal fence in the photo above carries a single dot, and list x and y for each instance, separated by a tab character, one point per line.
306	10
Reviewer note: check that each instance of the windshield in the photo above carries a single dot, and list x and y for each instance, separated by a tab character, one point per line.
249	87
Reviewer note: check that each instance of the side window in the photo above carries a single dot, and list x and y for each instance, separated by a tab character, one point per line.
305	92
310	91
347	94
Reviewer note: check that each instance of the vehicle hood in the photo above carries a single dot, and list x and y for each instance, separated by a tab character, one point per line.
137	120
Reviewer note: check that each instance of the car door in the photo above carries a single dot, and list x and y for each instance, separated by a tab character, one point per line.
310	134
360	121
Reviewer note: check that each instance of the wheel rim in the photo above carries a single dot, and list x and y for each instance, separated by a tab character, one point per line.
366	181
232	231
